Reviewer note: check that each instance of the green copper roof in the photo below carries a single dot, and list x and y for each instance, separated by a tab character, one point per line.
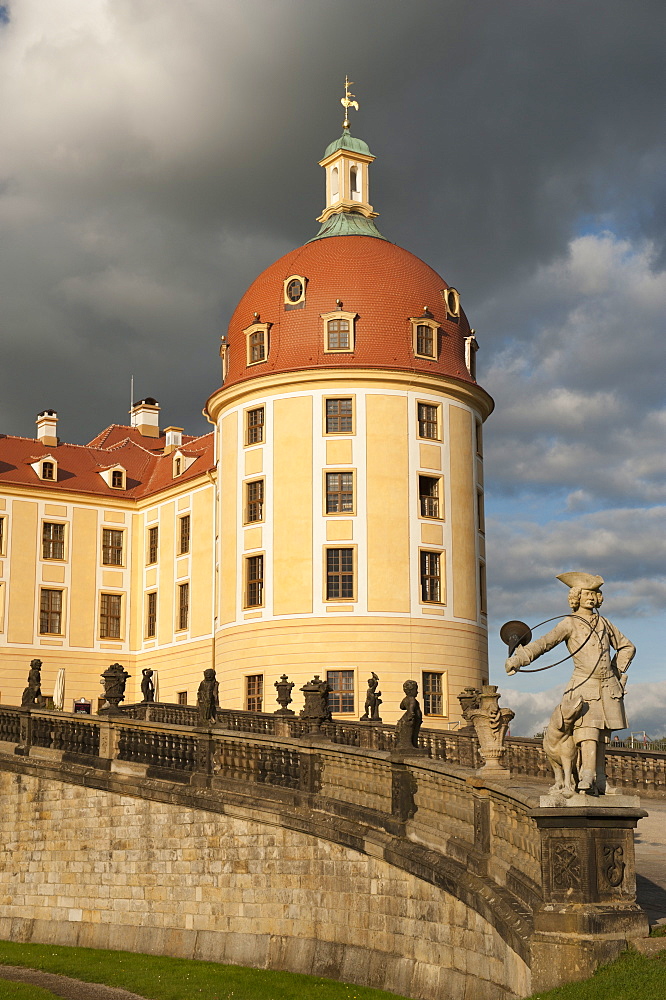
348	224
347	141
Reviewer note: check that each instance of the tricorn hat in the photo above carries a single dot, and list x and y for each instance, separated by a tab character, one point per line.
586	581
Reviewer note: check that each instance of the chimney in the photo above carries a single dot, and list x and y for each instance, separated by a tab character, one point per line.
145	416
47	426
174	439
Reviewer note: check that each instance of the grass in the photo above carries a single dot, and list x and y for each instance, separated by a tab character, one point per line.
21	991
159	978
631	977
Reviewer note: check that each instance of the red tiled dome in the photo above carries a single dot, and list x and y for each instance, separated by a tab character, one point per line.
379	281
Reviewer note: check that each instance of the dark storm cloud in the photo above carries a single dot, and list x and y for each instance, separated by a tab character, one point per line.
155	157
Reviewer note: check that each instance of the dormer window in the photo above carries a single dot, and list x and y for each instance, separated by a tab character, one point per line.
181	462
115	477
294	291
451	298
339	332
425	334
46	467
257	343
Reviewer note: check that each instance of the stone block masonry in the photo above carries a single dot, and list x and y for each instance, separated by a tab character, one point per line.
96	868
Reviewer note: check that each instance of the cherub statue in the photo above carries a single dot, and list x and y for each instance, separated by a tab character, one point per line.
599	678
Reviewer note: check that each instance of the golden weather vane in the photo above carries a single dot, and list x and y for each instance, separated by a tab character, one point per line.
347	101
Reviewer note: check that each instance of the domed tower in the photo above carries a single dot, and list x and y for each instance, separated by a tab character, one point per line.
350	472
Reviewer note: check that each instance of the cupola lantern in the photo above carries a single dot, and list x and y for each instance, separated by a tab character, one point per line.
346	162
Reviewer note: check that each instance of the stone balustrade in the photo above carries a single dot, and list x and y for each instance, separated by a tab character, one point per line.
643	770
550	891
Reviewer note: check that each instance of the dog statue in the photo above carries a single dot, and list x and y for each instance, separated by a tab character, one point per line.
560	748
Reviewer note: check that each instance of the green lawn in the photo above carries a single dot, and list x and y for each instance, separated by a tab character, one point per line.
161	978
21	991
631	977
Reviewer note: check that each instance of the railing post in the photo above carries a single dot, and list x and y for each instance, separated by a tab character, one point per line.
109	736
403	789
588	874
203	759
25	739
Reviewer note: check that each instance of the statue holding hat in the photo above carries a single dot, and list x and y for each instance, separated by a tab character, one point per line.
601	657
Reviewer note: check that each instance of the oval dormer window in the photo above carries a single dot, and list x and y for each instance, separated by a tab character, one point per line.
295	290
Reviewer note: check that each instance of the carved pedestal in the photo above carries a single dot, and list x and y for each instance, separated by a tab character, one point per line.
589	905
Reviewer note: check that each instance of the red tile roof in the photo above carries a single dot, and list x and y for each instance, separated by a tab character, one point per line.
79	466
384	284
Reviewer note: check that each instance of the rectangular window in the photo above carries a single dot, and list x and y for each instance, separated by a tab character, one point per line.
254	582
339	492
53	541
429	499
184	535
480	513
425	340
255	426
117	479
483	598
48	470
109	616
2	606
339	574
183	605
254	692
339	416
182	697
153	541
151	615
50	612
254	501
112	547
337	335
256	347
433	694
341	696
428	422
479	438
3	535
430	578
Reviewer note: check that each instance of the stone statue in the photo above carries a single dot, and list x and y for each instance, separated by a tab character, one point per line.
408	725
284	687
372	700
598	680
147	686
316	710
32	695
208	700
114	679
491	724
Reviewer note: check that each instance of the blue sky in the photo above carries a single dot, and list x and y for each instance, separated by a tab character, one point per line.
153	164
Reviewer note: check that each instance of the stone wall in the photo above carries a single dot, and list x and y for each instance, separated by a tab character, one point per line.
98	868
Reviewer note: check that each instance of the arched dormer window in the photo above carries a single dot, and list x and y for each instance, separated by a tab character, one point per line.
425	337
256	337
339	332
46	467
114	476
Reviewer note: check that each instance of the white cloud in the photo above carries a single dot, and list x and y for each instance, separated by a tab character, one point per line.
645	705
579	385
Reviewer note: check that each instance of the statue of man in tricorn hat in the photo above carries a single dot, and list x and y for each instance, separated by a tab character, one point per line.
598	680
